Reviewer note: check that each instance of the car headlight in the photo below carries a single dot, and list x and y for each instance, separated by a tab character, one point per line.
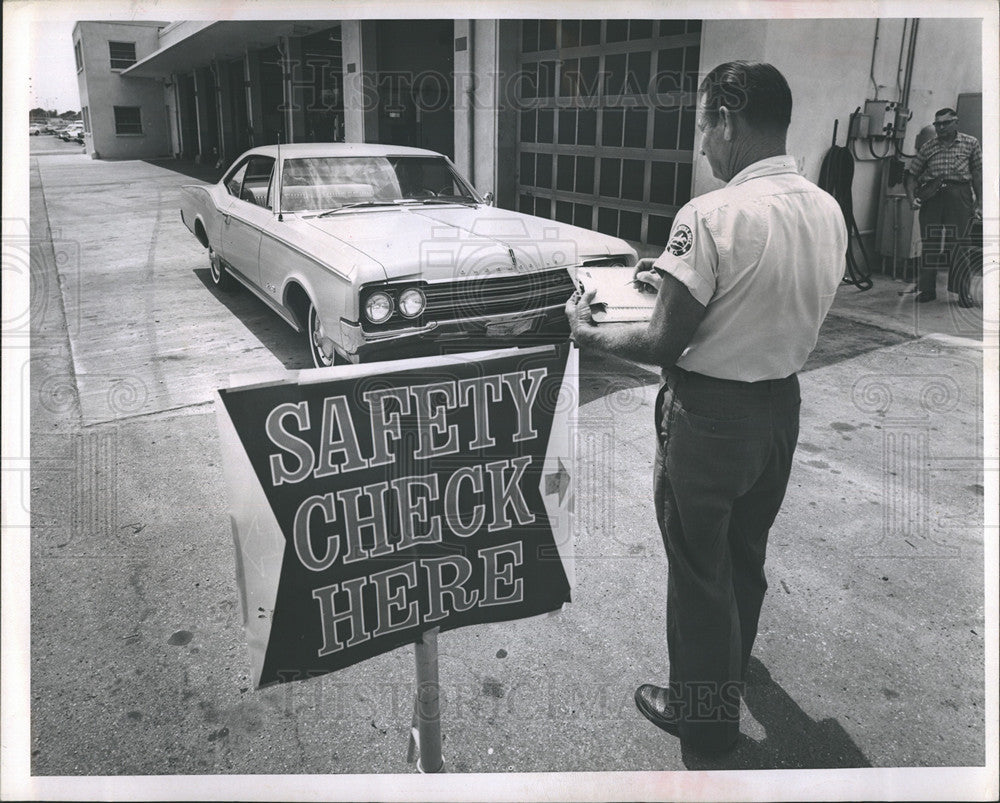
378	307
617	261
411	302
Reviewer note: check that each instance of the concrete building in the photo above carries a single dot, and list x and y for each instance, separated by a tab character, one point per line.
586	121
122	118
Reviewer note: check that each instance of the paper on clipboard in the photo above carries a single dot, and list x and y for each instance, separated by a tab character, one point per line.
618	298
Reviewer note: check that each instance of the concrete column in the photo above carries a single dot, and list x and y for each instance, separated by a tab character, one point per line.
174	91
360	81
486	53
227	132
251	77
298	89
201	117
465	101
507	44
485	118
290	105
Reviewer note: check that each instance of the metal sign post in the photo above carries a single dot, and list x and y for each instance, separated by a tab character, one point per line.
425	733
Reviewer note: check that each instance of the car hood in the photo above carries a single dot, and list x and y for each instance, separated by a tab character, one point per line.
436	243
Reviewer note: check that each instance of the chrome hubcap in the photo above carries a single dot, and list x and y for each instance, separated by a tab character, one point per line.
317	340
213	261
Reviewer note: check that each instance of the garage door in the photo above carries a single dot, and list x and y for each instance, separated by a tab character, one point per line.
606	123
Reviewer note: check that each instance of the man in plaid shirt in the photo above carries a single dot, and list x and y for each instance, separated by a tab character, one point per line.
940	181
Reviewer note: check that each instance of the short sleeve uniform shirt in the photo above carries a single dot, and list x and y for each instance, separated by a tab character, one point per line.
765	255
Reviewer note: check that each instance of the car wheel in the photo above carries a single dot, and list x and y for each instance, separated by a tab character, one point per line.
220	276
969	277
321	347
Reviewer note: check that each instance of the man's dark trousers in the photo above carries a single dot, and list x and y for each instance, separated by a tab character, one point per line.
723	460
944	219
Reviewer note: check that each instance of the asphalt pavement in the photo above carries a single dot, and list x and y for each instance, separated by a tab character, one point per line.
872	640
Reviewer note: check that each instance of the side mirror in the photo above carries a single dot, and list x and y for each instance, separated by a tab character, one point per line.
488	197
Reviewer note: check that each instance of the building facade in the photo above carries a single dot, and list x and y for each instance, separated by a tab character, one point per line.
585	121
122	118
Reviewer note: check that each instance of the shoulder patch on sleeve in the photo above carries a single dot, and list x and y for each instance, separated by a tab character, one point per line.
680	241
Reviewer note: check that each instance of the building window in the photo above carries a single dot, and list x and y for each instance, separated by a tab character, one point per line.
79	56
86	120
122	54
128	120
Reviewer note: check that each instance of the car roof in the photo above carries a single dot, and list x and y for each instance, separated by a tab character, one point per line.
302	149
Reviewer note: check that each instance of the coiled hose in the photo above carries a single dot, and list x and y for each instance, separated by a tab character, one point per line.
836	176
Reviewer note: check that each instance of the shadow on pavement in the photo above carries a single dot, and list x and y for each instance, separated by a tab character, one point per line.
792	741
288	346
206	173
844	339
839	339
603	375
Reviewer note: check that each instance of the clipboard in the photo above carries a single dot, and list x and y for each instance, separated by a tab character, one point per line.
619	298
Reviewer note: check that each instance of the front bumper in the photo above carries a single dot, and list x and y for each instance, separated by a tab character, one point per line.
535	327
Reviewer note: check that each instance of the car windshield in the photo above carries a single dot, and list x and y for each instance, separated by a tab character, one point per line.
330	182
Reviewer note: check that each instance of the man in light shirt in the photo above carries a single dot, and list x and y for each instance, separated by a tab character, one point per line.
746	279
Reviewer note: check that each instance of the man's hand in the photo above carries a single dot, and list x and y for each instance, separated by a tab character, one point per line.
914	203
977	213
578	313
646	275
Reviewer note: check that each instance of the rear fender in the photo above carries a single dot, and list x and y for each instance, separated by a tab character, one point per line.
201	214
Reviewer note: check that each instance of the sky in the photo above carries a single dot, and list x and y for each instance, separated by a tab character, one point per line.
51	67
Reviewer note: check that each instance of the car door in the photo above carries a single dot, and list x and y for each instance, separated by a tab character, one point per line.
248	212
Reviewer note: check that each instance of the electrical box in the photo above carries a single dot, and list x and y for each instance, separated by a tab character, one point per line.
882	117
902	116
859	127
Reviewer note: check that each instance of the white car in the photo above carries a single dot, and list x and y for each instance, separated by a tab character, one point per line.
71	132
378	251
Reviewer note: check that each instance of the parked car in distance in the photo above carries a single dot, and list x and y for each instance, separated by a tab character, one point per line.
378	251
71	132
34	130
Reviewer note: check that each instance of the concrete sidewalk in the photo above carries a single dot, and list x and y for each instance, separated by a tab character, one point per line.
890	304
871	649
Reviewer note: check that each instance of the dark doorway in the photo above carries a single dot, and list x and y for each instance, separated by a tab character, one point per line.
321	78
272	98
416	85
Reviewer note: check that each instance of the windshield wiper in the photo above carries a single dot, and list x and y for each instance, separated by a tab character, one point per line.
450	199
355	205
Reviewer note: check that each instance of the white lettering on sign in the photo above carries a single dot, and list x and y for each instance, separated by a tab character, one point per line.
284	440
434	405
425	507
361	512
386	427
477	389
396	606
437	437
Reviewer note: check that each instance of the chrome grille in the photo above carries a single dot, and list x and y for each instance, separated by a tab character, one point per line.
497	295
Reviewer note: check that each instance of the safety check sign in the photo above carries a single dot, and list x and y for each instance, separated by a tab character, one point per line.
371	503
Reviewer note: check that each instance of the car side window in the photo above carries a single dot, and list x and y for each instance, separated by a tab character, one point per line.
235	180
257	181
